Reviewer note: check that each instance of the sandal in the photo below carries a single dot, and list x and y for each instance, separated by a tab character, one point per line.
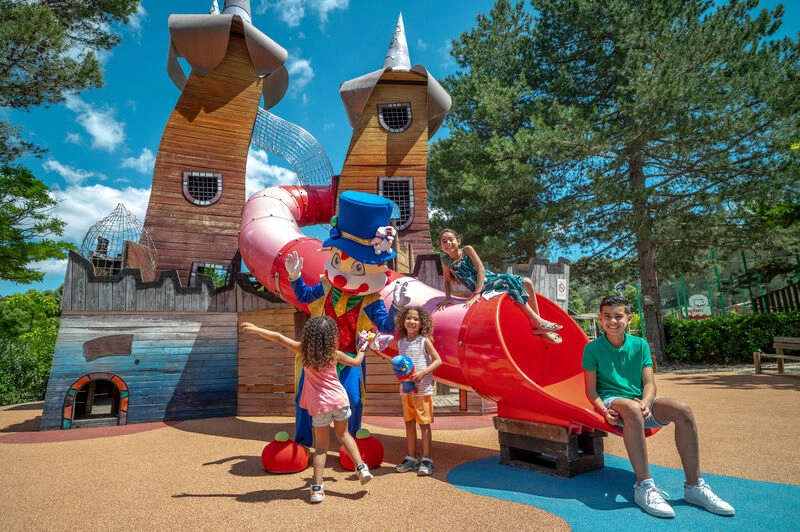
549	326
549	337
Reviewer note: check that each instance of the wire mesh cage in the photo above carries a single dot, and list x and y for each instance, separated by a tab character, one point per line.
298	148
104	243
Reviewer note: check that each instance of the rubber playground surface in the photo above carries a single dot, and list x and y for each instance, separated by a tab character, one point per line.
207	474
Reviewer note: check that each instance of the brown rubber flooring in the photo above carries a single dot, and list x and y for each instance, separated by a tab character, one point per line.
207	474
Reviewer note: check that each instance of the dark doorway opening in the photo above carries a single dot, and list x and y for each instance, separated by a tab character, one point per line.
96	404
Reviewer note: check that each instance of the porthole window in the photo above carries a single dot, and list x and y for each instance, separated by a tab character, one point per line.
401	191
202	188
395	117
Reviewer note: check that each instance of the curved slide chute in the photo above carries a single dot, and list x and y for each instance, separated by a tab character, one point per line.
488	347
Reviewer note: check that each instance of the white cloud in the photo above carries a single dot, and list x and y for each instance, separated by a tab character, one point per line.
73	176
143	164
136	21
300	72
82	207
323	7
261	174
106	132
444	52
74	138
422	45
292	12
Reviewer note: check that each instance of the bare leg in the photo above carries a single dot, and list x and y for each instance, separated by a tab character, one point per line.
633	436
322	437
686	441
411	438
347	440
426	440
531	307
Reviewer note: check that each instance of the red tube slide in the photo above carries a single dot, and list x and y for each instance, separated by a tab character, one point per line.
488	347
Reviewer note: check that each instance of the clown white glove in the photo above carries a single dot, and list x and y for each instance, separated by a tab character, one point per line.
401	299
294	265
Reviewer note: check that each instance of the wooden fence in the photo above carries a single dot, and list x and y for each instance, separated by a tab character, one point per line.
784	300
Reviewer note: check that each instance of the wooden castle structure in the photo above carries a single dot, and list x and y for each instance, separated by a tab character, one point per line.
153	338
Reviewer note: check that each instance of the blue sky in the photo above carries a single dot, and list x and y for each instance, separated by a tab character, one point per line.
103	143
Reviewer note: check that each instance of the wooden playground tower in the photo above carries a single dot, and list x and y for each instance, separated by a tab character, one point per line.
153	339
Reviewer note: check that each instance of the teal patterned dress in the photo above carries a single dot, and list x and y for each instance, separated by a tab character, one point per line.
493	285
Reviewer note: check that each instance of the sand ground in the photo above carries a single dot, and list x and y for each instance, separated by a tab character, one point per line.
207	474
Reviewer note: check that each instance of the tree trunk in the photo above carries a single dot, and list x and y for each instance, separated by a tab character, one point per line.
648	272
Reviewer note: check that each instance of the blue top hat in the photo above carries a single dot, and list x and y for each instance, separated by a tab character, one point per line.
356	228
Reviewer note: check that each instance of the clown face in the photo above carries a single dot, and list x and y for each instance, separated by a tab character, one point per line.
354	277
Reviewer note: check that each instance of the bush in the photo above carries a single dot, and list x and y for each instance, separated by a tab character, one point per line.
730	339
25	364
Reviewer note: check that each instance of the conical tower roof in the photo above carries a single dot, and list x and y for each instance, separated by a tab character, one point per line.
107	237
356	92
397	58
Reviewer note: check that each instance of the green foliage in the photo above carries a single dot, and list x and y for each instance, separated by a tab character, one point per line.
24	313
26	225
47	51
629	128
28	332
48	48
25	365
635	326
727	339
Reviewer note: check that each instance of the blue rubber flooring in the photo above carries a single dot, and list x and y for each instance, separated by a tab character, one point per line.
602	500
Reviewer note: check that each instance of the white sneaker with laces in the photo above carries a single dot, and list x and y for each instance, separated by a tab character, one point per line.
363	473
317	492
651	499
701	495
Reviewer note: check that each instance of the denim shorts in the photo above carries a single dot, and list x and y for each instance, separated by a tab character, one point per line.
651	423
324	419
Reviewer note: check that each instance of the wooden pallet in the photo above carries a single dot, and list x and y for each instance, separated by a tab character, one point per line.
548	449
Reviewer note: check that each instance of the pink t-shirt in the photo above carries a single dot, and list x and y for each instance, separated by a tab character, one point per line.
322	391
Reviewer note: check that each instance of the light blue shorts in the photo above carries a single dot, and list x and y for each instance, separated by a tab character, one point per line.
324	419
651	423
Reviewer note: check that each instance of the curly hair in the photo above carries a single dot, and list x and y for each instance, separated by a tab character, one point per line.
319	343
425	319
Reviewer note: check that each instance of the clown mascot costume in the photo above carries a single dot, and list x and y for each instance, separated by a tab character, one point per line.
360	244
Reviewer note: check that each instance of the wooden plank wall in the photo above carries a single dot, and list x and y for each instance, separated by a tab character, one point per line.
83	290
545	277
266	370
208	131
181	365
374	152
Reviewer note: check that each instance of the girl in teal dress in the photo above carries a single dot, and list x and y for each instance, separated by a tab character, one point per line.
464	266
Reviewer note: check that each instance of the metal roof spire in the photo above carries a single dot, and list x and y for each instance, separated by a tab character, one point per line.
397	56
214	9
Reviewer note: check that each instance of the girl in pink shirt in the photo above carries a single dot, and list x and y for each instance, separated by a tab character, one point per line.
323	395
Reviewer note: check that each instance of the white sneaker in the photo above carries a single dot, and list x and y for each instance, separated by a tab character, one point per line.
651	499
363	473
317	492
701	495
425	467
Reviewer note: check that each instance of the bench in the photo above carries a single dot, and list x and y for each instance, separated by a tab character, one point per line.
779	344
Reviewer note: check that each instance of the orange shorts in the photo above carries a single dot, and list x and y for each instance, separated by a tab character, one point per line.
418	408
